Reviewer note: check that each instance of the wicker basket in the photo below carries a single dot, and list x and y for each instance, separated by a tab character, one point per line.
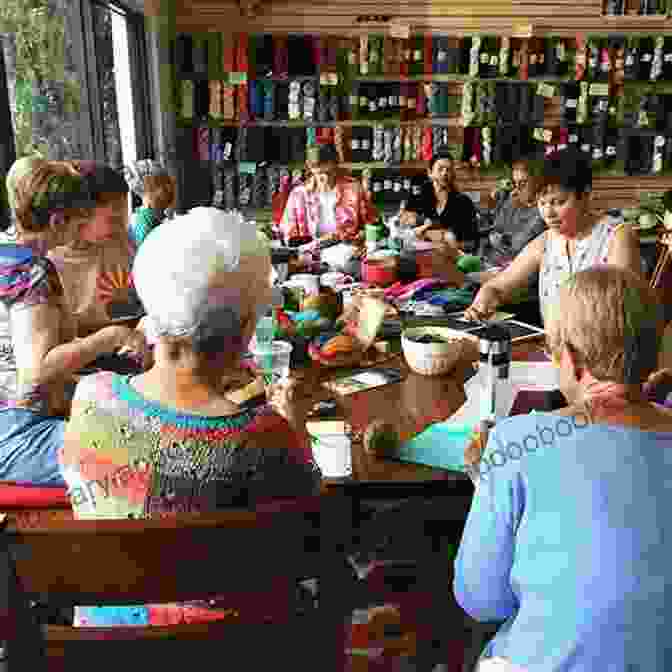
432	359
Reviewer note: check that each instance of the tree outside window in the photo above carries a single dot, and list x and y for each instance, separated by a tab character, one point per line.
44	86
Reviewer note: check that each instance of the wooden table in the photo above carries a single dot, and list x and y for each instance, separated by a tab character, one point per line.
410	406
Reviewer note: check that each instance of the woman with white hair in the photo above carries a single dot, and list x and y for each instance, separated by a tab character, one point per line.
169	440
565	542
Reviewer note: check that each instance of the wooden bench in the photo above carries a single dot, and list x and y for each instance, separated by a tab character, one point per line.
186	557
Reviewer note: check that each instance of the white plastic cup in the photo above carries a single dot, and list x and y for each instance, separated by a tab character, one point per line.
272	360
265	331
310	283
332	279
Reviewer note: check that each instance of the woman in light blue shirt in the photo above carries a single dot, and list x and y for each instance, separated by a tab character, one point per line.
568	540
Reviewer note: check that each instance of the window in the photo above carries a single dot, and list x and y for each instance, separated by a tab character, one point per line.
90	97
118	70
43	82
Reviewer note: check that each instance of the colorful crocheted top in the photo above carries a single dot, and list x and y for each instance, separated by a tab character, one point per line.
124	456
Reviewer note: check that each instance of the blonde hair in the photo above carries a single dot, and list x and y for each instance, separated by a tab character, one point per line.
159	190
19	169
50	187
608	317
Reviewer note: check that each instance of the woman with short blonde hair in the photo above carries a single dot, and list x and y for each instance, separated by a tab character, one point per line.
17	171
595	316
95	267
566	540
38	353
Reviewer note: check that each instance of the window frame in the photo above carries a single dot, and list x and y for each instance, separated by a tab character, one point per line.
8	143
90	122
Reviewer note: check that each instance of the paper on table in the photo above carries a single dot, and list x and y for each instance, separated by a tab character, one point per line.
332	449
534	375
440	445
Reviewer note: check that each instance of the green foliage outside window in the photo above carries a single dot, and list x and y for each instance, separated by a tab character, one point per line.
36	33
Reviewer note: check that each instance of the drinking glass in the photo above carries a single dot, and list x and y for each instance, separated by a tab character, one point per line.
272	359
265	331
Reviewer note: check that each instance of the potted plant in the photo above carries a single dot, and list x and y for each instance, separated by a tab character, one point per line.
651	211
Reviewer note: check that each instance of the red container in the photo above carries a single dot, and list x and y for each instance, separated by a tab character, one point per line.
424	264
381	272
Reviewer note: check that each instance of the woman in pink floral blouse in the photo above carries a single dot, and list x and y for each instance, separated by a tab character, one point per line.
328	206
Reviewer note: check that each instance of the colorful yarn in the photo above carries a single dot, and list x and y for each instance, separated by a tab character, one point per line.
504	53
580	58
524	68
242	62
187	99
467	104
657	65
280	56
229	55
474	56
429	53
269	100
228	101
364	55
215	87
427	144
243	112
487	145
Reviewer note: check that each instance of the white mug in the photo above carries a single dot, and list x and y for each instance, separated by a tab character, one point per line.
310	283
497	664
332	279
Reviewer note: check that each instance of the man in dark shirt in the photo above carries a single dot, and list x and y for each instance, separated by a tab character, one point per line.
452	215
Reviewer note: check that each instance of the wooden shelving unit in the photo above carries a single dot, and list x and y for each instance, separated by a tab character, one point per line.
541	18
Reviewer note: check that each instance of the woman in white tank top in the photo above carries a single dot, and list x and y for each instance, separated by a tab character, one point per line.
575	240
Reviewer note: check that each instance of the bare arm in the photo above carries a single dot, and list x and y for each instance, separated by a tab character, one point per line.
40	356
495	292
624	250
517	275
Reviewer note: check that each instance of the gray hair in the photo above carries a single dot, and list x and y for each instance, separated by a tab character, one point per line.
175	267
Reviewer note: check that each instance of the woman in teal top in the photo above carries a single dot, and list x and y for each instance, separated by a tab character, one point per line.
150	181
567	541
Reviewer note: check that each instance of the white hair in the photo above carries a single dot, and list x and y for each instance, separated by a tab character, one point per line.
175	266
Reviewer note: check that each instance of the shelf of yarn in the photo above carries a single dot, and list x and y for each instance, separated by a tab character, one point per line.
459	79
455	120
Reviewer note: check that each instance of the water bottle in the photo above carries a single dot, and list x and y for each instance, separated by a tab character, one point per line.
495	357
395	241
